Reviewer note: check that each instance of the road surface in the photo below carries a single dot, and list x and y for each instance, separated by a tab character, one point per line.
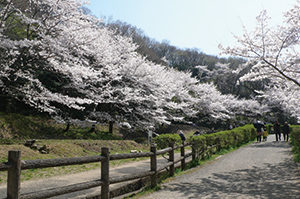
261	170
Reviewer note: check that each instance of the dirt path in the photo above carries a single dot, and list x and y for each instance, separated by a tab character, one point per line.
261	170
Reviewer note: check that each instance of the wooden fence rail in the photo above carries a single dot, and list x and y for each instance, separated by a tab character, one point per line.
15	165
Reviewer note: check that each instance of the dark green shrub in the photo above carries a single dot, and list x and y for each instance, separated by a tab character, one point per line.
221	140
211	139
224	139
163	140
243	135
199	144
295	141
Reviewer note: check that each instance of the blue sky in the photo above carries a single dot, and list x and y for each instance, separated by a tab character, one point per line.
202	24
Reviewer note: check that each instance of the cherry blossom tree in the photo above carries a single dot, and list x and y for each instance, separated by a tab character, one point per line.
59	60
89	64
213	107
273	53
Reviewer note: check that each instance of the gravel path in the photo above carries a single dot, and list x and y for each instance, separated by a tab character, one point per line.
260	170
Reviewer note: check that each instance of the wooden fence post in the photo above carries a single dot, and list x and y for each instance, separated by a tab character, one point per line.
111	127
218	144
182	154
105	174
14	175
153	165
171	159
193	152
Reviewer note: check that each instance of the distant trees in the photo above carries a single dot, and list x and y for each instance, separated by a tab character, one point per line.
190	60
144	43
163	53
274	54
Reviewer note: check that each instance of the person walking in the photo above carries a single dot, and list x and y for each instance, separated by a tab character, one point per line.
258	125
182	136
265	134
286	131
277	131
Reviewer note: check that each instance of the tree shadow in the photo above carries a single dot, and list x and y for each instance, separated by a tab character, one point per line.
277	181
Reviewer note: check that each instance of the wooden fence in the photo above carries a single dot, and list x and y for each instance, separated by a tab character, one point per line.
15	165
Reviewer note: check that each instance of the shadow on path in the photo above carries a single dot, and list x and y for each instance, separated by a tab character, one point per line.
273	182
269	181
272	144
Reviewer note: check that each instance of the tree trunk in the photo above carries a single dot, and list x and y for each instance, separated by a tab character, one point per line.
68	127
111	125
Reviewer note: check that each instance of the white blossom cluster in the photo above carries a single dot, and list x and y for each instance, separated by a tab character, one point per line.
45	42
274	53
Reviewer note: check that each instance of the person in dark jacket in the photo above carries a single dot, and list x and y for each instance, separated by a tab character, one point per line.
182	136
258	125
277	130
286	131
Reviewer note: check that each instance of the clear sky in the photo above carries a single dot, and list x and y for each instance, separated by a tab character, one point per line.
202	24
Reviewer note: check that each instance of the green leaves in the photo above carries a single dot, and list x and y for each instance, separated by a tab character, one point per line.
163	140
222	140
295	141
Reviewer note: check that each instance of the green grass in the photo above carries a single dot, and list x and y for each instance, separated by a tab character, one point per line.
19	127
15	129
68	148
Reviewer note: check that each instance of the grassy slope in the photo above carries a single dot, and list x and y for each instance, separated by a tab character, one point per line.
15	129
67	148
19	127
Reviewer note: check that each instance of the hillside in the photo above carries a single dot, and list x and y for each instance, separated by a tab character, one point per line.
67	148
16	129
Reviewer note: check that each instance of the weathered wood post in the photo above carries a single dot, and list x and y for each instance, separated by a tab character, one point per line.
111	127
153	165
14	175
105	174
193	151
171	159
182	154
218	144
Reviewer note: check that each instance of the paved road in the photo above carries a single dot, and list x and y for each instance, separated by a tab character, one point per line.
261	170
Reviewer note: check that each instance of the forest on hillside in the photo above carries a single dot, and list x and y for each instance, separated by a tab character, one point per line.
206	68
59	60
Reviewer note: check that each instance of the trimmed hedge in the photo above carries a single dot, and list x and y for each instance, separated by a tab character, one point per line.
220	140
199	145
163	140
226	139
295	141
229	138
